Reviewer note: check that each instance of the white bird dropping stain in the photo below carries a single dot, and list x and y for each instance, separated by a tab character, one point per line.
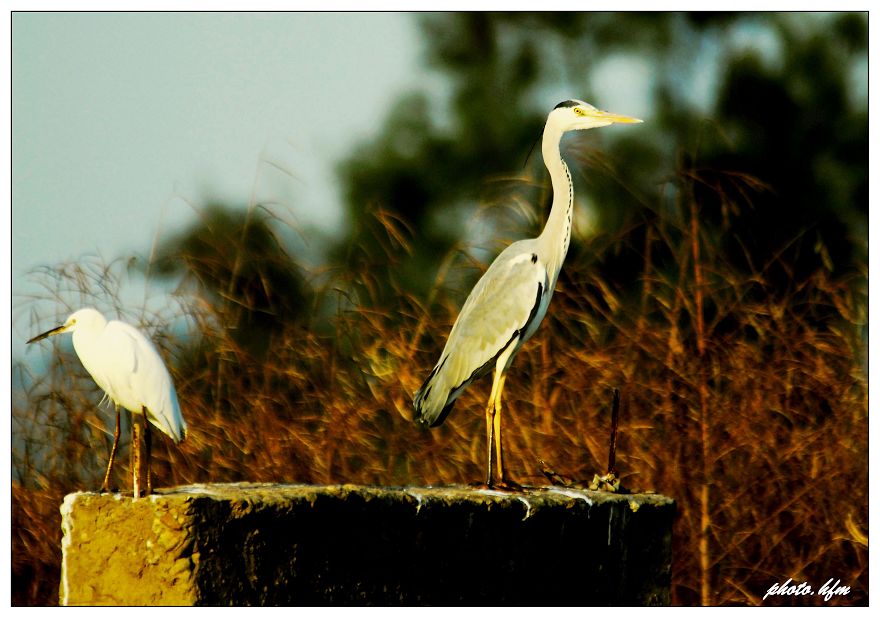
572	493
492	492
610	519
418	498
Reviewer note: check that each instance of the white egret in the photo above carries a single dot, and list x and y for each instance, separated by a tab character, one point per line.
126	365
509	301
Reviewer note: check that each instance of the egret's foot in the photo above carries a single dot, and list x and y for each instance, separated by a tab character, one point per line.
607	482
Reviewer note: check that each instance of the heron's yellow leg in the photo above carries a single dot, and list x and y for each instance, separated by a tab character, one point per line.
493	425
106	485
499	457
490	413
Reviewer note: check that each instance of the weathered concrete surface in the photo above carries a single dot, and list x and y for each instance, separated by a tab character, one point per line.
266	544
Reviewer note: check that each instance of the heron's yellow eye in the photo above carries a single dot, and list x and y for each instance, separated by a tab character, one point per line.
579	111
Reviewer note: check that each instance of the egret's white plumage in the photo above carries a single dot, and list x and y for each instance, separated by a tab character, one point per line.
127	366
507	304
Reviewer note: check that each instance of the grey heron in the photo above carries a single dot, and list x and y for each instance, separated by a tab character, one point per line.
506	306
125	364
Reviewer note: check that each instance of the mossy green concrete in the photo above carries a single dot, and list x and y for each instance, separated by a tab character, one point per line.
267	544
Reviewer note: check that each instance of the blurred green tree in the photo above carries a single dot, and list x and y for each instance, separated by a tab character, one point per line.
240	267
785	126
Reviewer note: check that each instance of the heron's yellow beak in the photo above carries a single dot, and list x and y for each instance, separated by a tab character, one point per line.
609	117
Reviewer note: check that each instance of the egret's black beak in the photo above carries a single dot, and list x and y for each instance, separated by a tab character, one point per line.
48	333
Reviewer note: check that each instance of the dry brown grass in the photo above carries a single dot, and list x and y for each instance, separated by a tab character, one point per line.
746	404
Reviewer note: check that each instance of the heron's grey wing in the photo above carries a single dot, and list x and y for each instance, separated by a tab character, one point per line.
150	384
503	304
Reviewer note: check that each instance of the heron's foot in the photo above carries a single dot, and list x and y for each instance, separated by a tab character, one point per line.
607	482
493	485
507	485
502	485
510	486
478	485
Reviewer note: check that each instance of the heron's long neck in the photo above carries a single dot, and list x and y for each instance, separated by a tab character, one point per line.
557	232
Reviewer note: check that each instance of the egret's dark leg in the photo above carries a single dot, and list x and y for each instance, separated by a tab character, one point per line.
106	485
136	430
148	439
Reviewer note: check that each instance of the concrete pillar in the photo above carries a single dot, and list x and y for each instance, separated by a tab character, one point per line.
268	544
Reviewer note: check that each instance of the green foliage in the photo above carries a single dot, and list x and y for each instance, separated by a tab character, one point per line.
793	124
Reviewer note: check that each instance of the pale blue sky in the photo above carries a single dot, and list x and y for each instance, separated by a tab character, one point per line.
122	121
